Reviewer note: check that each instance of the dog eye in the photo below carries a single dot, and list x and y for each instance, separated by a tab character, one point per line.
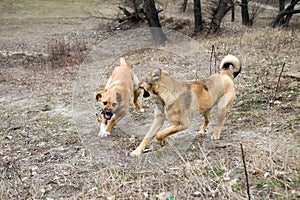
114	104
104	103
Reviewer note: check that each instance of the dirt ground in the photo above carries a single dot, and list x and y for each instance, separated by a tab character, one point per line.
49	150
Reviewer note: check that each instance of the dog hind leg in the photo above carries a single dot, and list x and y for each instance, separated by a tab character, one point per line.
206	116
223	107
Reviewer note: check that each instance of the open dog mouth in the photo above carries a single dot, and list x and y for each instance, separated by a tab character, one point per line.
108	114
146	94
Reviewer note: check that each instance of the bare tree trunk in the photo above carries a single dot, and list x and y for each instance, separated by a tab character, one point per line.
245	14
223	7
283	17
281	5
198	16
158	35
232	13
184	5
281	8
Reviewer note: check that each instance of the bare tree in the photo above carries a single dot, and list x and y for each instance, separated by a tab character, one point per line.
184	5
247	18
151	13
281	8
245	14
281	5
232	13
223	7
284	16
198	16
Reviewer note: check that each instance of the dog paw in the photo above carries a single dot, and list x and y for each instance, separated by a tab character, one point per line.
202	132
142	110
214	137
161	142
135	153
103	133
106	133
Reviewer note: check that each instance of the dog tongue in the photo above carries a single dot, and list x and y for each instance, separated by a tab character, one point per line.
107	117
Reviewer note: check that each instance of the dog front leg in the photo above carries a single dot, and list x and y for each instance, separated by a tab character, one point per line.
111	123
157	123
102	127
136	100
109	126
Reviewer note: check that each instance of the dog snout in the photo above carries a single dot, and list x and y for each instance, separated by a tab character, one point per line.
108	111
146	94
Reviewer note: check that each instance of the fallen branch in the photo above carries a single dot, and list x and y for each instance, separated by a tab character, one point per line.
246	173
135	16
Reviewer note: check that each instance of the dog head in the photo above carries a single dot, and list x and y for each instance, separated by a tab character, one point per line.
109	103
151	80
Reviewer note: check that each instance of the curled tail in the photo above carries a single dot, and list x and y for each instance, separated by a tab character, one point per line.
231	60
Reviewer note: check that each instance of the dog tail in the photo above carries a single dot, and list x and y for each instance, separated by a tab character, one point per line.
122	61
231	60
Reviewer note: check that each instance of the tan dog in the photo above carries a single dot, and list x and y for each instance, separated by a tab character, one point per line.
122	86
176	100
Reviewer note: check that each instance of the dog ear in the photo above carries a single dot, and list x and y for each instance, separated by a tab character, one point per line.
119	97
156	74
99	95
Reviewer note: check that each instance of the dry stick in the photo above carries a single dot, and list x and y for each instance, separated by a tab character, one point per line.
211	57
246	173
278	82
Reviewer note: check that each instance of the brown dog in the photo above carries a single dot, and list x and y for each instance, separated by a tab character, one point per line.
176	100
122	86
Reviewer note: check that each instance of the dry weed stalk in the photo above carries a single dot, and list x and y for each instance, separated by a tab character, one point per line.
278	83
66	53
212	56
246	172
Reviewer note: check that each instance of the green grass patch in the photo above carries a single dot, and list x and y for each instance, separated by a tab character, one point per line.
271	183
290	123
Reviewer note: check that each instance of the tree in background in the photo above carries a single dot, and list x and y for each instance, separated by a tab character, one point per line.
245	13
198	16
149	9
284	16
146	9
218	14
151	13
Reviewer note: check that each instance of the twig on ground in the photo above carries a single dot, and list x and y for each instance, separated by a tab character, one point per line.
246	173
278	82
